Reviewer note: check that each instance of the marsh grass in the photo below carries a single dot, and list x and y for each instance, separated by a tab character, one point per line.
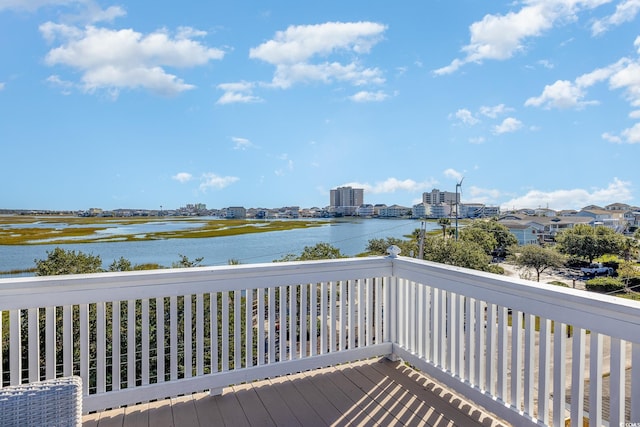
91	225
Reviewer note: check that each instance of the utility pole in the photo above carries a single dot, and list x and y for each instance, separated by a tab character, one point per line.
423	227
458	185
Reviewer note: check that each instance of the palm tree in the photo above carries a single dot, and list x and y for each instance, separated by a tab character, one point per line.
444	223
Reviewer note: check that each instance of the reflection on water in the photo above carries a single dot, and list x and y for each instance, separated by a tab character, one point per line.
350	236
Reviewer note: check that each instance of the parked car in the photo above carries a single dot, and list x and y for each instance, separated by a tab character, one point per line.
596	269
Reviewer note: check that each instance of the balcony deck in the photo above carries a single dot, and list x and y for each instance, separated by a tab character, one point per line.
144	336
370	392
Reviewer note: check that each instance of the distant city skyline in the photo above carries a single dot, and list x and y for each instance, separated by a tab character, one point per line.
223	103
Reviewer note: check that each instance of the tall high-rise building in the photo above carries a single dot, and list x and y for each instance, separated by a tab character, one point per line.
346	200
436	196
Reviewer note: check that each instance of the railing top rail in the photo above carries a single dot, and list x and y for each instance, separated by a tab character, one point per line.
46	291
607	314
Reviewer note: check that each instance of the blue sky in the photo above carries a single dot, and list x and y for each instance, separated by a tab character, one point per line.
265	104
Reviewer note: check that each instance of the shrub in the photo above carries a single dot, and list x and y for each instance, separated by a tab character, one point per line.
559	283
604	285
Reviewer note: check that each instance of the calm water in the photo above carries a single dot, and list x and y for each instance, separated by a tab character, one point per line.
351	237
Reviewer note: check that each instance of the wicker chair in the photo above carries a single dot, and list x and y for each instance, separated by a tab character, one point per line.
56	402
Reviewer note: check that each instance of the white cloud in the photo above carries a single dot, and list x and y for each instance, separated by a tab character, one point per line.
366	96
293	50
499	37
241	143
626	11
64	85
632	135
482	195
182	177
466	117
391	185
33	5
2	85
611	138
477	140
238	92
454	174
116	59
561	94
628	79
634	114
509	124
546	64
572	198
494	111
211	180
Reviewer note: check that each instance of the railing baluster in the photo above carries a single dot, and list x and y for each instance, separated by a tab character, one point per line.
261	343
282	322
351	320
248	328
15	348
420	323
160	366
559	372
332	317
213	331
502	359
131	344
145	341
304	320
442	304
460	371
516	359
34	344
617	389
225	331
343	315
378	307
313	319
543	370
470	344
84	347
361	307
187	336
490	383
577	373
173	338
200	334
237	331
452	324
595	379
293	323
529	362
369	314
635	383
116	367
480	344
101	336
428	307
271	306
435	326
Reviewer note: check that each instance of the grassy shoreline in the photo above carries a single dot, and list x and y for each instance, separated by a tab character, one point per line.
68	229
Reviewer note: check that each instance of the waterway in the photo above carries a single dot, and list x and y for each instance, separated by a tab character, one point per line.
350	236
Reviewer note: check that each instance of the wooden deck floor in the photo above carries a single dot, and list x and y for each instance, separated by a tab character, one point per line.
366	393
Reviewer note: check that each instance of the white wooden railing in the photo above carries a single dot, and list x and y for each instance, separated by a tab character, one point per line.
140	336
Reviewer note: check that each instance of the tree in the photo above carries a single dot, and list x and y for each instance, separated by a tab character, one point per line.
459	253
122	264
380	246
539	258
319	251
60	261
185	262
627	272
480	236
503	237
588	242
444	223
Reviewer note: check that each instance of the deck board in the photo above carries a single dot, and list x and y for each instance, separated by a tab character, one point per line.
374	392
